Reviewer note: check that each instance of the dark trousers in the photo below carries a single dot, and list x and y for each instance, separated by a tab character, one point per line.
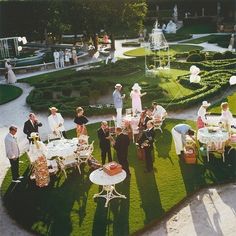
105	152
148	158
124	162
14	168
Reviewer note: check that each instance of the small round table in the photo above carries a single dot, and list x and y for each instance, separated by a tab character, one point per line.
108	183
204	136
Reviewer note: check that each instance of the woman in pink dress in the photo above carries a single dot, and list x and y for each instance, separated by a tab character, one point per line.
136	98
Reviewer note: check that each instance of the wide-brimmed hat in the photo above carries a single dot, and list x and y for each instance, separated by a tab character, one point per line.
53	108
136	87
118	86
205	104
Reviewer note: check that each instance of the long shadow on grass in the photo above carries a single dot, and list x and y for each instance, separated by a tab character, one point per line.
47	211
114	219
163	144
148	190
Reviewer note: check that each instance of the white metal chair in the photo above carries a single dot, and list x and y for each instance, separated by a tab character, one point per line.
67	163
84	155
217	148
158	122
128	111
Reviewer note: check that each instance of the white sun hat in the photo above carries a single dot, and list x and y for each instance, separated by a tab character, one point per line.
136	87
118	85
53	108
205	104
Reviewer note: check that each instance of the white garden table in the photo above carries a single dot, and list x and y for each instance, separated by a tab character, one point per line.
108	183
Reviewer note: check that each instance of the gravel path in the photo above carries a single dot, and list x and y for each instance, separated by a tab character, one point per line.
216	207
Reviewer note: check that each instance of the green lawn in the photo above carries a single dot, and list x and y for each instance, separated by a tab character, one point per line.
221	40
9	93
197	29
173	50
231	100
67	206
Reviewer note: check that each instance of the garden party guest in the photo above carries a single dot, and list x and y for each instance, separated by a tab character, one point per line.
148	117
226	116
61	58
158	111
56	122
67	57
118	103
202	119
136	98
121	146
31	125
80	121
11	78
146	142
179	133
74	56
104	141
56	58
13	153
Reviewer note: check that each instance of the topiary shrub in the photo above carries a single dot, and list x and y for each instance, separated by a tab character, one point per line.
66	91
217	56
195	57
228	55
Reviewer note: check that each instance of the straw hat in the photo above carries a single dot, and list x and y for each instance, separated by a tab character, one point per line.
205	104
136	87
118	86
53	108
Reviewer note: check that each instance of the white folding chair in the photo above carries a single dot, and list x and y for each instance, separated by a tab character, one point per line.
215	148
128	111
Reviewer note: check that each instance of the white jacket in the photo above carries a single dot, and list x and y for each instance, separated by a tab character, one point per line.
54	122
11	146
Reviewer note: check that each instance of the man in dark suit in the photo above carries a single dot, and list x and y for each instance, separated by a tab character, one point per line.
31	125
121	146
104	142
146	142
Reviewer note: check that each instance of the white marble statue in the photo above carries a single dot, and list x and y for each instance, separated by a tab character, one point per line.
194	77
171	28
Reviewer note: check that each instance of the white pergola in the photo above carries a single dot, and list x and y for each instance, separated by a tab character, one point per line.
4	45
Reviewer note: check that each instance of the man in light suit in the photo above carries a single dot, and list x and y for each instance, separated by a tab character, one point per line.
56	122
118	103
13	152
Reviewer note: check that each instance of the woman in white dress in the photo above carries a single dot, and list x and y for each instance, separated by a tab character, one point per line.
11	78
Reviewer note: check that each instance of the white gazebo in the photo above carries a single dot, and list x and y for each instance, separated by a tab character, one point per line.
156	52
11	43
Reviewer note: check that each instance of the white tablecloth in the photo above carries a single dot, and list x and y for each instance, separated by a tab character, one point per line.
204	136
61	148
99	177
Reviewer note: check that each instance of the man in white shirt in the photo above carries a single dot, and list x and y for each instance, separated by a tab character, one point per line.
56	58
56	122
158	111
13	153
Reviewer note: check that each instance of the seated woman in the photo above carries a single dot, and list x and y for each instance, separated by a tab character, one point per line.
202	119
226	116
80	121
